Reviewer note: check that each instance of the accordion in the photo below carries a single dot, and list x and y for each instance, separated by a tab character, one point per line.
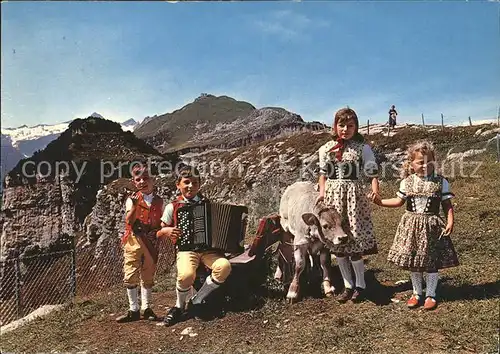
212	225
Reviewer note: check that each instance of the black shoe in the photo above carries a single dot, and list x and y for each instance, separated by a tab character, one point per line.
358	295
173	316
149	315
194	310
203	311
129	317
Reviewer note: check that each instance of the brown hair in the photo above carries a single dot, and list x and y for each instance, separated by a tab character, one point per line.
140	168
344	115
187	171
425	147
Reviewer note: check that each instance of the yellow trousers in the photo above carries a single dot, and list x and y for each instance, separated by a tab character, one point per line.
138	264
188	262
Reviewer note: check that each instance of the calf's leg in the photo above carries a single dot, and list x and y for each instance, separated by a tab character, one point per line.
326	263
300	256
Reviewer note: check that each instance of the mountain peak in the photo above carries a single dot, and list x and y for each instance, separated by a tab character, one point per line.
204	96
128	122
96	115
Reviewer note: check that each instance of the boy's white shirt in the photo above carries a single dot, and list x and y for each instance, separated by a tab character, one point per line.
168	212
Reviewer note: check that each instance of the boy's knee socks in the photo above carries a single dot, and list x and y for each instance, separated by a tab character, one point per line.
207	288
146	297
182	295
132	299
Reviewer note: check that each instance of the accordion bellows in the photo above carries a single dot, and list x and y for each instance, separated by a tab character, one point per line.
212	225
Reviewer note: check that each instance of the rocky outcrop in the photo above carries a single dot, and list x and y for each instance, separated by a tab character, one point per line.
38	217
260	125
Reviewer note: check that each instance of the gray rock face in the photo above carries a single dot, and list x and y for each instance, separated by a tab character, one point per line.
260	125
32	215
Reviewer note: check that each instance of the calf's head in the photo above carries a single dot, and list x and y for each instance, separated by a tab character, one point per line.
326	226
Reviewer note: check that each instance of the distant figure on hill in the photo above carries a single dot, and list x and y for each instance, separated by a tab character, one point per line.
392	116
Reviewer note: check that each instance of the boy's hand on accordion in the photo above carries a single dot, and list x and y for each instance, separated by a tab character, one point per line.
173	233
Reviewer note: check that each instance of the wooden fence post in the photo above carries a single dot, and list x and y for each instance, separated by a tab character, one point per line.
498	147
442	121
470	122
368	128
423	121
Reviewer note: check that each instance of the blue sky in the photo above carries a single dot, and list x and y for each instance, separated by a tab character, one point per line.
62	60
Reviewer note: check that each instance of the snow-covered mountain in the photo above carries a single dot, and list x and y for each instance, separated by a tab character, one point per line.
129	125
9	154
29	139
23	141
23	133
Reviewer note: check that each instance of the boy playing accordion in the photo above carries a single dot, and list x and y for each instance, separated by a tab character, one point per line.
190	255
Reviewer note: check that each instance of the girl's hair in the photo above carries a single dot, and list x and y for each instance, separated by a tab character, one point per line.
425	147
343	115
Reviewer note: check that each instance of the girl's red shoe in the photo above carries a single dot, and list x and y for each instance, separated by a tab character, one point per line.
414	301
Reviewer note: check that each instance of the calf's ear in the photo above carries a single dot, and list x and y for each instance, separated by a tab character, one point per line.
310	219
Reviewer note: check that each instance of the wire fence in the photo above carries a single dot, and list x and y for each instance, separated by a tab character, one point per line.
27	283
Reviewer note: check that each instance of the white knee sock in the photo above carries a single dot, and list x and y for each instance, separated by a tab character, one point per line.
345	270
432	282
359	271
205	290
416	281
182	295
132	299
278	274
146	297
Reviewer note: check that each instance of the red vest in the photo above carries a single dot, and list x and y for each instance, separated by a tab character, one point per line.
148	215
177	204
